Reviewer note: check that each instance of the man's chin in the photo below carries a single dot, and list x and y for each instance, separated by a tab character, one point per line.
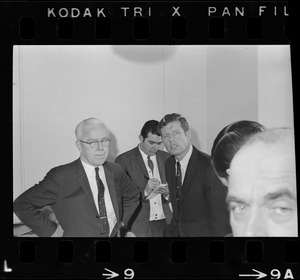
173	152
100	161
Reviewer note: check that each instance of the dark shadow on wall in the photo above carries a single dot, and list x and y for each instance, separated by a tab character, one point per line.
113	149
145	54
195	139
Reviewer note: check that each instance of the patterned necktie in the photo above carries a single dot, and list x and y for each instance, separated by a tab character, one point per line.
150	164
101	203
178	182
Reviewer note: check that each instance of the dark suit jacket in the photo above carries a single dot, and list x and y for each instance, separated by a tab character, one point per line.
67	190
133	163
202	204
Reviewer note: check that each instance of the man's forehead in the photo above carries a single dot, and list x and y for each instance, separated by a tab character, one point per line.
94	128
172	125
262	164
259	153
153	137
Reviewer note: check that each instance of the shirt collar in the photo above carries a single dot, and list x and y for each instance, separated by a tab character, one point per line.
89	169
185	160
144	156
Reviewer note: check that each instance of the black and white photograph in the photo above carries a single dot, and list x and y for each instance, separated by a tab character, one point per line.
153	141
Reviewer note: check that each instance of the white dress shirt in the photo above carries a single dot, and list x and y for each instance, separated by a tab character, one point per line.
156	209
184	163
91	175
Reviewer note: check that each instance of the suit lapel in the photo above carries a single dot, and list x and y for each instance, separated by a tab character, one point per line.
172	186
84	183
161	167
109	175
162	174
139	162
189	176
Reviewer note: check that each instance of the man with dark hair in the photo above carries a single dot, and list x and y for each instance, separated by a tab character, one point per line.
227	143
196	193
145	165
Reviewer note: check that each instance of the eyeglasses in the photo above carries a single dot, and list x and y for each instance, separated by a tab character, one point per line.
93	144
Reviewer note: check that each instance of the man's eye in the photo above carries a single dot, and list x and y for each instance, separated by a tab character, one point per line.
237	208
281	211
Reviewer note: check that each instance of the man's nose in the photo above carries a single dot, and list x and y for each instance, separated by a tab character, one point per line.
99	146
171	139
256	224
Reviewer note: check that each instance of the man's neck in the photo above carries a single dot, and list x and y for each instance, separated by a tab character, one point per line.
83	160
141	148
182	156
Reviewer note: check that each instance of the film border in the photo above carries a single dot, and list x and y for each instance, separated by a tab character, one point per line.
167	261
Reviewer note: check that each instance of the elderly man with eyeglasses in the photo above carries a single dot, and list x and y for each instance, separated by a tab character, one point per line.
90	197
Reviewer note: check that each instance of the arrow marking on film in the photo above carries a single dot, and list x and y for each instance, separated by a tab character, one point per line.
259	275
111	274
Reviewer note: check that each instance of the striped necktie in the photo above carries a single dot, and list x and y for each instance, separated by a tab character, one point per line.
150	164
101	203
178	182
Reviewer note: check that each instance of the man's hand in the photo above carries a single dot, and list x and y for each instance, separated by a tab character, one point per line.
130	234
163	189
59	231
152	184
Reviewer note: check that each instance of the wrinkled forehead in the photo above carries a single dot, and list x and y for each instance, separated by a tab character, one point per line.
90	130
174	125
264	161
261	172
153	137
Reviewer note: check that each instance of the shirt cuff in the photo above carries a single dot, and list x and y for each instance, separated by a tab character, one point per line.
167	197
59	232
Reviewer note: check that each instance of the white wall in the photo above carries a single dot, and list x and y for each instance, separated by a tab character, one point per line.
55	87
185	89
275	101
232	91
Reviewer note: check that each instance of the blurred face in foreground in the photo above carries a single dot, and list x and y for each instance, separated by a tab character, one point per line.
262	191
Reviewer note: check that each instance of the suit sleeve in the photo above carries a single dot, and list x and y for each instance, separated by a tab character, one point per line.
130	197
216	194
118	160
125	165
27	205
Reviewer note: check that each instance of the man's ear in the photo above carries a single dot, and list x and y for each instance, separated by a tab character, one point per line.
141	138
189	134
224	181
78	145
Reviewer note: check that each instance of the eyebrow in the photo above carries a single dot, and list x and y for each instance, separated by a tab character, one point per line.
232	198
281	193
267	197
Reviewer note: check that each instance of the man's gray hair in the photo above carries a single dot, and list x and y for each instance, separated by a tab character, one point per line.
273	136
86	122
